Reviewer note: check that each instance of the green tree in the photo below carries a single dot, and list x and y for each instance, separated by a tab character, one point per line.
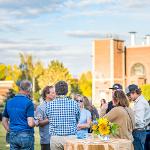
32	71
55	72
146	91
85	84
74	84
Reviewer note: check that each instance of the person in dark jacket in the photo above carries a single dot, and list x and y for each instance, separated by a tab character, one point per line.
115	87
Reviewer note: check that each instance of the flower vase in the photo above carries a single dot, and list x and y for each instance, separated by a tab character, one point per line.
104	138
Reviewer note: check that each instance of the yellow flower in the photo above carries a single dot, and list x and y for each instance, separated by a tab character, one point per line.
103	121
104	129
94	127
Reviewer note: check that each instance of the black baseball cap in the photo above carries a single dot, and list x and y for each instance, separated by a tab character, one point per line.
131	88
116	86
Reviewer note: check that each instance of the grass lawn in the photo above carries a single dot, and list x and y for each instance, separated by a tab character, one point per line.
5	146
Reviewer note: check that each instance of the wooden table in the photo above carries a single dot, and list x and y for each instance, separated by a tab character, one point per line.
97	144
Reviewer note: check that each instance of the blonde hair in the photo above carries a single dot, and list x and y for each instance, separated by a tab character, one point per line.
78	96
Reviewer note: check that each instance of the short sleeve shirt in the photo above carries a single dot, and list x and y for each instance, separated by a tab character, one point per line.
18	109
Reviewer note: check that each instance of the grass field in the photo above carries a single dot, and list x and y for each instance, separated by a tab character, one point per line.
5	146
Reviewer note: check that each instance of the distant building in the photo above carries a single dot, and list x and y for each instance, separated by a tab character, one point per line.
4	88
114	62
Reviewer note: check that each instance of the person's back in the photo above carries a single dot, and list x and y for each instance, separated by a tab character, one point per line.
120	116
17	111
63	116
18	118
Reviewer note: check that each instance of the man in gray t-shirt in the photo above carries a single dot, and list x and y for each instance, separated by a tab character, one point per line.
48	95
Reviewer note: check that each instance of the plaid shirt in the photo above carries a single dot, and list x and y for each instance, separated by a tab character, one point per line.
63	115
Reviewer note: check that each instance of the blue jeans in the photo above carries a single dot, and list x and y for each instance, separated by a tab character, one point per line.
21	140
139	139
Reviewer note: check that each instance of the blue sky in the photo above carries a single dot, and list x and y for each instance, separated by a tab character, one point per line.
65	29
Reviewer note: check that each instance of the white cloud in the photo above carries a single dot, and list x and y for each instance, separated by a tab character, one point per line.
94	34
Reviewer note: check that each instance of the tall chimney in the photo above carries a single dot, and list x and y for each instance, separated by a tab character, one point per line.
132	38
147	37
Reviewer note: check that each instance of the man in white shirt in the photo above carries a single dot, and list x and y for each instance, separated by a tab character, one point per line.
141	110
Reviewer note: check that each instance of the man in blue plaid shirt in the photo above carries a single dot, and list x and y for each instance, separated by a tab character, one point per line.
63	115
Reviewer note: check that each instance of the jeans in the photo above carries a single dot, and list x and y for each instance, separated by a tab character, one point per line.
139	139
45	146
147	142
21	140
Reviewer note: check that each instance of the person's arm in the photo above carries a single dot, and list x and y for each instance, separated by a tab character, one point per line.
85	125
77	113
139	114
5	119
112	114
30	115
42	123
31	122
5	123
40	114
88	122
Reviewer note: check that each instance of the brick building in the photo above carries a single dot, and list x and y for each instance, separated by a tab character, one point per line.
4	88
114	62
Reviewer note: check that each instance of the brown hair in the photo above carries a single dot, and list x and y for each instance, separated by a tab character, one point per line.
120	98
46	91
61	88
104	100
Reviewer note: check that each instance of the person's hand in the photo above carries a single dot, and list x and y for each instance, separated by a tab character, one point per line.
36	122
78	127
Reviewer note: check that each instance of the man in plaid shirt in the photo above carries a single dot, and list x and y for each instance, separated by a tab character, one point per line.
63	115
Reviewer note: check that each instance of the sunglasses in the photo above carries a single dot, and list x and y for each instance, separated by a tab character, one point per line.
80	101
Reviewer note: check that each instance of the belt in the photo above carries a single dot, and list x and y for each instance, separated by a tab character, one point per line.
139	129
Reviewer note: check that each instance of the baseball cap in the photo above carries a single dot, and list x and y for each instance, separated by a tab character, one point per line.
131	88
116	86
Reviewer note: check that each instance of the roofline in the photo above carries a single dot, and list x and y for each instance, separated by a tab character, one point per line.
109	39
138	46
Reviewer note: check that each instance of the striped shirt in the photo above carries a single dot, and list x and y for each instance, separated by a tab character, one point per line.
63	114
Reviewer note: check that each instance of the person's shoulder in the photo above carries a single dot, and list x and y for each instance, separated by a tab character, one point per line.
86	110
142	100
117	109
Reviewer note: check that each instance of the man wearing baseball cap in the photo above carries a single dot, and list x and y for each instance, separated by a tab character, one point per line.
115	87
141	110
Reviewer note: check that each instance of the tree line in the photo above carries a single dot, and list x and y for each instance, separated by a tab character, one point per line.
41	76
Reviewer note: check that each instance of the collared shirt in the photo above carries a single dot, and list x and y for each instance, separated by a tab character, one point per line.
63	114
141	110
44	131
18	109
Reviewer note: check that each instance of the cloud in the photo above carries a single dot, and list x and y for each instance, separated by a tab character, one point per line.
28	45
94	34
85	3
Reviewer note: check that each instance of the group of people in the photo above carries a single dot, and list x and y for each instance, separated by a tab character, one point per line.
60	117
131	112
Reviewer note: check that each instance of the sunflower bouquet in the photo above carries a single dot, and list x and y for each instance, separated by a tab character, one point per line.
104	127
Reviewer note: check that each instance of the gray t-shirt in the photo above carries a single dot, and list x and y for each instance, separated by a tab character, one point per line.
44	131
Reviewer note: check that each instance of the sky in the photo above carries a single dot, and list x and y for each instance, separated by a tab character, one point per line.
65	29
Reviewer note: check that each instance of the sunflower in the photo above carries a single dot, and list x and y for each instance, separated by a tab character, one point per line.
94	127
103	121
104	129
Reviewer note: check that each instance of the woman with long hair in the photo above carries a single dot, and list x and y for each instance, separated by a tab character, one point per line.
122	115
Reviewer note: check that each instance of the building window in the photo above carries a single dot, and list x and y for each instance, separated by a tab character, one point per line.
138	70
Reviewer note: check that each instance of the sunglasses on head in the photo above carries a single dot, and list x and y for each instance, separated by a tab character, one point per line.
80	101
